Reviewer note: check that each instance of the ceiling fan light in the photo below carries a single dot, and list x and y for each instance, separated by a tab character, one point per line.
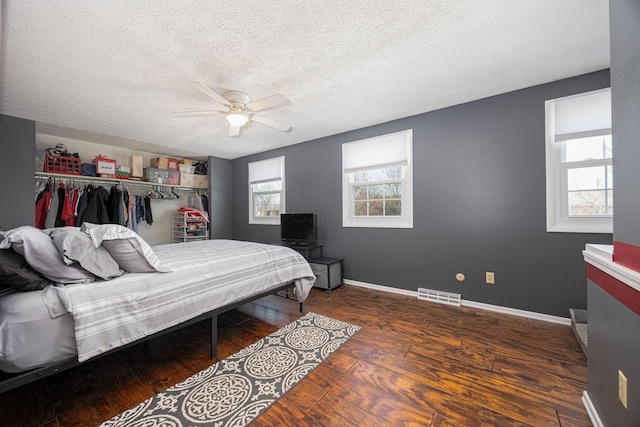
237	119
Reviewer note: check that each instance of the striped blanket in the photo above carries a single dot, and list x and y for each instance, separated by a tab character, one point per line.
206	275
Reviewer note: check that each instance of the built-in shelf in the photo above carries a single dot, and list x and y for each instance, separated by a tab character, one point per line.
111	180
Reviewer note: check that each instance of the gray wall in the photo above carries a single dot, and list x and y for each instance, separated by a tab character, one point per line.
479	205
624	16
613	345
220	198
614	337
17	169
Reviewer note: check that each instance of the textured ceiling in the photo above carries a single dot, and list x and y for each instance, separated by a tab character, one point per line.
113	72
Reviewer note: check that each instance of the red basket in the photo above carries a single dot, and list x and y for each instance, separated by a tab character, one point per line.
59	164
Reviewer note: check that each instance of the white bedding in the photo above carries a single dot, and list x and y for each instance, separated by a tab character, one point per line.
206	275
29	337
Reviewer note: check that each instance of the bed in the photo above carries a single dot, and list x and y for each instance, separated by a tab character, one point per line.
45	331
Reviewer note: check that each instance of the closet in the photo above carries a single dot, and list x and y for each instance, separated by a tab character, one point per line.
69	200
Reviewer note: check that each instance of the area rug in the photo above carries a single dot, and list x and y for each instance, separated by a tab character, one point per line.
234	391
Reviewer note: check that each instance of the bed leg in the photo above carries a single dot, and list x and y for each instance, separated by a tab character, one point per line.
214	336
300	307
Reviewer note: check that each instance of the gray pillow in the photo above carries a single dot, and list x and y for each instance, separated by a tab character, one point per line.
17	274
129	250
42	255
76	246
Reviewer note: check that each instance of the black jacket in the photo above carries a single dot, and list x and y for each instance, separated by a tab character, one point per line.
96	211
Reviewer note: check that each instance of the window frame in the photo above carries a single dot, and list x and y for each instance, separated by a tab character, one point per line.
405	220
273	177
557	188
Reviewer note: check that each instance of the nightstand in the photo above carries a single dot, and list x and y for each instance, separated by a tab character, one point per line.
329	272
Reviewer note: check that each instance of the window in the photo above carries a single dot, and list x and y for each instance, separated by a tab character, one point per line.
377	181
266	191
579	163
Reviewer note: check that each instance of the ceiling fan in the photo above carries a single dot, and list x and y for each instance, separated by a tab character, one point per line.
240	109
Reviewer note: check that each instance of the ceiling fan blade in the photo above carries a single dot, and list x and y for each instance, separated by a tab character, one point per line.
234	130
270	122
272	101
217	97
198	113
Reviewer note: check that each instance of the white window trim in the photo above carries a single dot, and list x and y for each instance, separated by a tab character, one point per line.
403	221
556	188
270	220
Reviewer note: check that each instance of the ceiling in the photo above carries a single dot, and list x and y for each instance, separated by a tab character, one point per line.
113	72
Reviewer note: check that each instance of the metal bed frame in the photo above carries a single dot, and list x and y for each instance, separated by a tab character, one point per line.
11	381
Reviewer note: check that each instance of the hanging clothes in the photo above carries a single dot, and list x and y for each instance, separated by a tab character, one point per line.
68	208
140	215
124	208
205	202
43	200
52	210
147	211
40	187
81	206
195	201
133	218
59	205
113	205
62	192
96	211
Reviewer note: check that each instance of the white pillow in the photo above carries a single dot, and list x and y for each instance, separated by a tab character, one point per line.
42	255
126	247
76	246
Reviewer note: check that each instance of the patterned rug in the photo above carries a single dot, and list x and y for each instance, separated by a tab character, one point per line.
234	391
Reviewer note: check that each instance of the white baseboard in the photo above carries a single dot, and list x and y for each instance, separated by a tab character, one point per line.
473	304
381	288
517	312
591	410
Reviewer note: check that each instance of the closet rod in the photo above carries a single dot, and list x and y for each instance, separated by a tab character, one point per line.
43	175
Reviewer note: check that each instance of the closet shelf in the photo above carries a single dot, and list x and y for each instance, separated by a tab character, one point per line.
112	180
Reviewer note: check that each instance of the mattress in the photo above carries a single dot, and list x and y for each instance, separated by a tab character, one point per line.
42	328
29	336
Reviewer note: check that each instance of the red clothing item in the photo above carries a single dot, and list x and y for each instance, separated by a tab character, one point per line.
42	207
69	206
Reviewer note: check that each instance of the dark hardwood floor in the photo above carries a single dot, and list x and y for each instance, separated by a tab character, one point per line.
413	363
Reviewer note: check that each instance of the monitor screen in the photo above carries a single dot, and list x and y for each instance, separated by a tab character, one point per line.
298	228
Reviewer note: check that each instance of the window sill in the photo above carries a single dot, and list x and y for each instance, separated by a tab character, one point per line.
270	221
581	228
597	225
377	223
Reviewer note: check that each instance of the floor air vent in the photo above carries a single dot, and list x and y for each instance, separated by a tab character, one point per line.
439	296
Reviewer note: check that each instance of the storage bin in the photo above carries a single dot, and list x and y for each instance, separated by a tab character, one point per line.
105	167
187	169
88	169
161	176
172	164
195	181
159	163
137	166
60	164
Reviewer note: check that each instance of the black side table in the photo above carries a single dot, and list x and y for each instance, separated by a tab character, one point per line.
306	250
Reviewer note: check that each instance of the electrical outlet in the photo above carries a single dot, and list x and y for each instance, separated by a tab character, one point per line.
622	389
491	278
